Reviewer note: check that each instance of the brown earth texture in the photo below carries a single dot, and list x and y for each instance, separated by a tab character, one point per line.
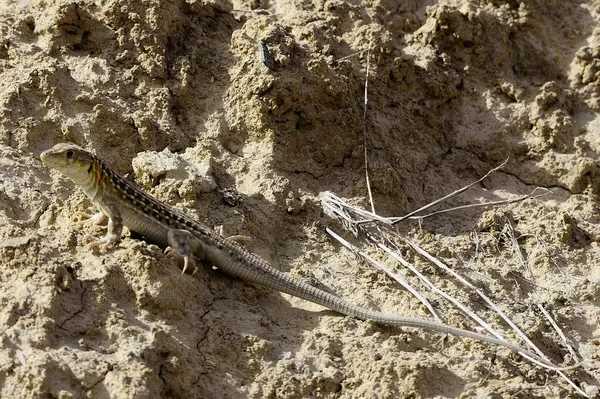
243	115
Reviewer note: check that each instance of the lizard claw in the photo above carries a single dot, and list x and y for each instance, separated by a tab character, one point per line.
172	253
186	246
185	261
102	245
189	261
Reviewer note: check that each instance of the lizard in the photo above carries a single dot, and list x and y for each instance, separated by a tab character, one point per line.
124	204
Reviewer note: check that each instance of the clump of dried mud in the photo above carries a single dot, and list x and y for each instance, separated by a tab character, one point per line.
455	88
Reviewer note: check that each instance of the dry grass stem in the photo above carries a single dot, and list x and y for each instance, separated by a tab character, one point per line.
387	271
365	148
453	194
559	331
483	204
440	292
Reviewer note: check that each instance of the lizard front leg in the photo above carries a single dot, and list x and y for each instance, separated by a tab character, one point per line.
115	229
91	220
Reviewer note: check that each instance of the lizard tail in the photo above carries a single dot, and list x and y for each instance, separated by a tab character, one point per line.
251	268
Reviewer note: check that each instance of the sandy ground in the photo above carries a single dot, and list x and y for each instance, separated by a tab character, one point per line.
175	94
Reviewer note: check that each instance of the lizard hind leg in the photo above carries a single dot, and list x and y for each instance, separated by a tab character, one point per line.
185	245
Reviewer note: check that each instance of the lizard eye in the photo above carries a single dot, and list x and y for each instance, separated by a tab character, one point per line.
70	154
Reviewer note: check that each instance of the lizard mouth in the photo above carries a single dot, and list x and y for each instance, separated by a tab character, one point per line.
45	157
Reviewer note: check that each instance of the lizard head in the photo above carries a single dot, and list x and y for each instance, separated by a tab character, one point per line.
69	159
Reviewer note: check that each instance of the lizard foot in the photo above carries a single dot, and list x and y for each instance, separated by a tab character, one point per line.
91	220
185	245
172	253
183	261
101	245
240	239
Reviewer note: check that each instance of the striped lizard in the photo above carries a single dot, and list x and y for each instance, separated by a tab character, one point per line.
126	205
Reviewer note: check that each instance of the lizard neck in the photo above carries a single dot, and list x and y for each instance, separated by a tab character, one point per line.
92	181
